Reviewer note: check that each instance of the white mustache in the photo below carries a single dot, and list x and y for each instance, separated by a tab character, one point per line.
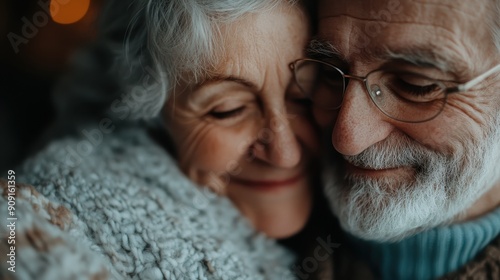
445	183
397	150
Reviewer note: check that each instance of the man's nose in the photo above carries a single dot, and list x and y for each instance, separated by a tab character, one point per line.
276	142
359	122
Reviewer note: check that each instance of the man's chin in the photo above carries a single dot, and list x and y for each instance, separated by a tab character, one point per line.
374	233
373	228
379	213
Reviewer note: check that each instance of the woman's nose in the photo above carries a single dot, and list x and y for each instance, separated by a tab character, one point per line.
276	142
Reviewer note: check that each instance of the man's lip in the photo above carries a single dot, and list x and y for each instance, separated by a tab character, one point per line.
350	168
268	184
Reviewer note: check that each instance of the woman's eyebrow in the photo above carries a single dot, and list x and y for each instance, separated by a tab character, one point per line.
203	97
213	79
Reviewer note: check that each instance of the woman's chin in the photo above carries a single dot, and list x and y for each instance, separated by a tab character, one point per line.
279	211
279	219
282	231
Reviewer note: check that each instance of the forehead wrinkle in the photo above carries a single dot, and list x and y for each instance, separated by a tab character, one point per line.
452	6
445	56
434	14
468	8
433	25
321	48
419	56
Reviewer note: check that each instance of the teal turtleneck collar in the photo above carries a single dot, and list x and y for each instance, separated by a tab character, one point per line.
430	254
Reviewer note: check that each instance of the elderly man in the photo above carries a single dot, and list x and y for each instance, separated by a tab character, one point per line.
411	90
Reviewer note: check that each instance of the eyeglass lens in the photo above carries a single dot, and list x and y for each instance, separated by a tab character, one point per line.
402	96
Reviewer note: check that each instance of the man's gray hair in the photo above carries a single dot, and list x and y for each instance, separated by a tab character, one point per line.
143	48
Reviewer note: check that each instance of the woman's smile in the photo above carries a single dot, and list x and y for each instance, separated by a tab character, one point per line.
269	184
244	130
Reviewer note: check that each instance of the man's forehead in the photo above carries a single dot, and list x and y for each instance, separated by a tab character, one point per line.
452	29
402	9
455	16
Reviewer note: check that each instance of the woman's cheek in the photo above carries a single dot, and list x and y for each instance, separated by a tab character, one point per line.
214	151
307	132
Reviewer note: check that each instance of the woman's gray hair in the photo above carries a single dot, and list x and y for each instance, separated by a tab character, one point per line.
143	48
495	24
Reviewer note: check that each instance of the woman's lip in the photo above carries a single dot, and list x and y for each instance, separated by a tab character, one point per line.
268	184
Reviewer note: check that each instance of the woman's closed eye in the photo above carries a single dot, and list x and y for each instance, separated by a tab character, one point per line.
233	113
227	113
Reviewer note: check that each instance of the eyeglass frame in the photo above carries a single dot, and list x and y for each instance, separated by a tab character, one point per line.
460	87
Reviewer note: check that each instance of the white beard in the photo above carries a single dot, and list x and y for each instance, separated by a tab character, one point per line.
390	209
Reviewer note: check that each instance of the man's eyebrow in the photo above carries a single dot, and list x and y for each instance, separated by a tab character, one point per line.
226	78
423	56
319	48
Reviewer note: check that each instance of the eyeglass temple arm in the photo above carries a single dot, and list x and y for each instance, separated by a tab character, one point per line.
478	79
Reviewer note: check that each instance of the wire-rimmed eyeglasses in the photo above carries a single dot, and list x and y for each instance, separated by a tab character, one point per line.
403	96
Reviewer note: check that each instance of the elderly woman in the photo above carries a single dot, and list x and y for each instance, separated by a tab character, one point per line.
238	129
207	81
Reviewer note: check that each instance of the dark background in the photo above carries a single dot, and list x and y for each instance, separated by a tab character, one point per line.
28	76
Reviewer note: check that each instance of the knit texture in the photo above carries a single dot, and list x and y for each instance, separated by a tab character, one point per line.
42	249
131	207
433	253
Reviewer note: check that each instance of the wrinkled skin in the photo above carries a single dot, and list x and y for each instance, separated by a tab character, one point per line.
447	40
244	128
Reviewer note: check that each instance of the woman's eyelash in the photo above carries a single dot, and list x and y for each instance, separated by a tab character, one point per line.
227	114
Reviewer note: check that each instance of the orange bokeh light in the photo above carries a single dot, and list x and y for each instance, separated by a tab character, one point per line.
68	11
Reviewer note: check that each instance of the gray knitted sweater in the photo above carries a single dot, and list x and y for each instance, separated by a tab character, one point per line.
119	208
